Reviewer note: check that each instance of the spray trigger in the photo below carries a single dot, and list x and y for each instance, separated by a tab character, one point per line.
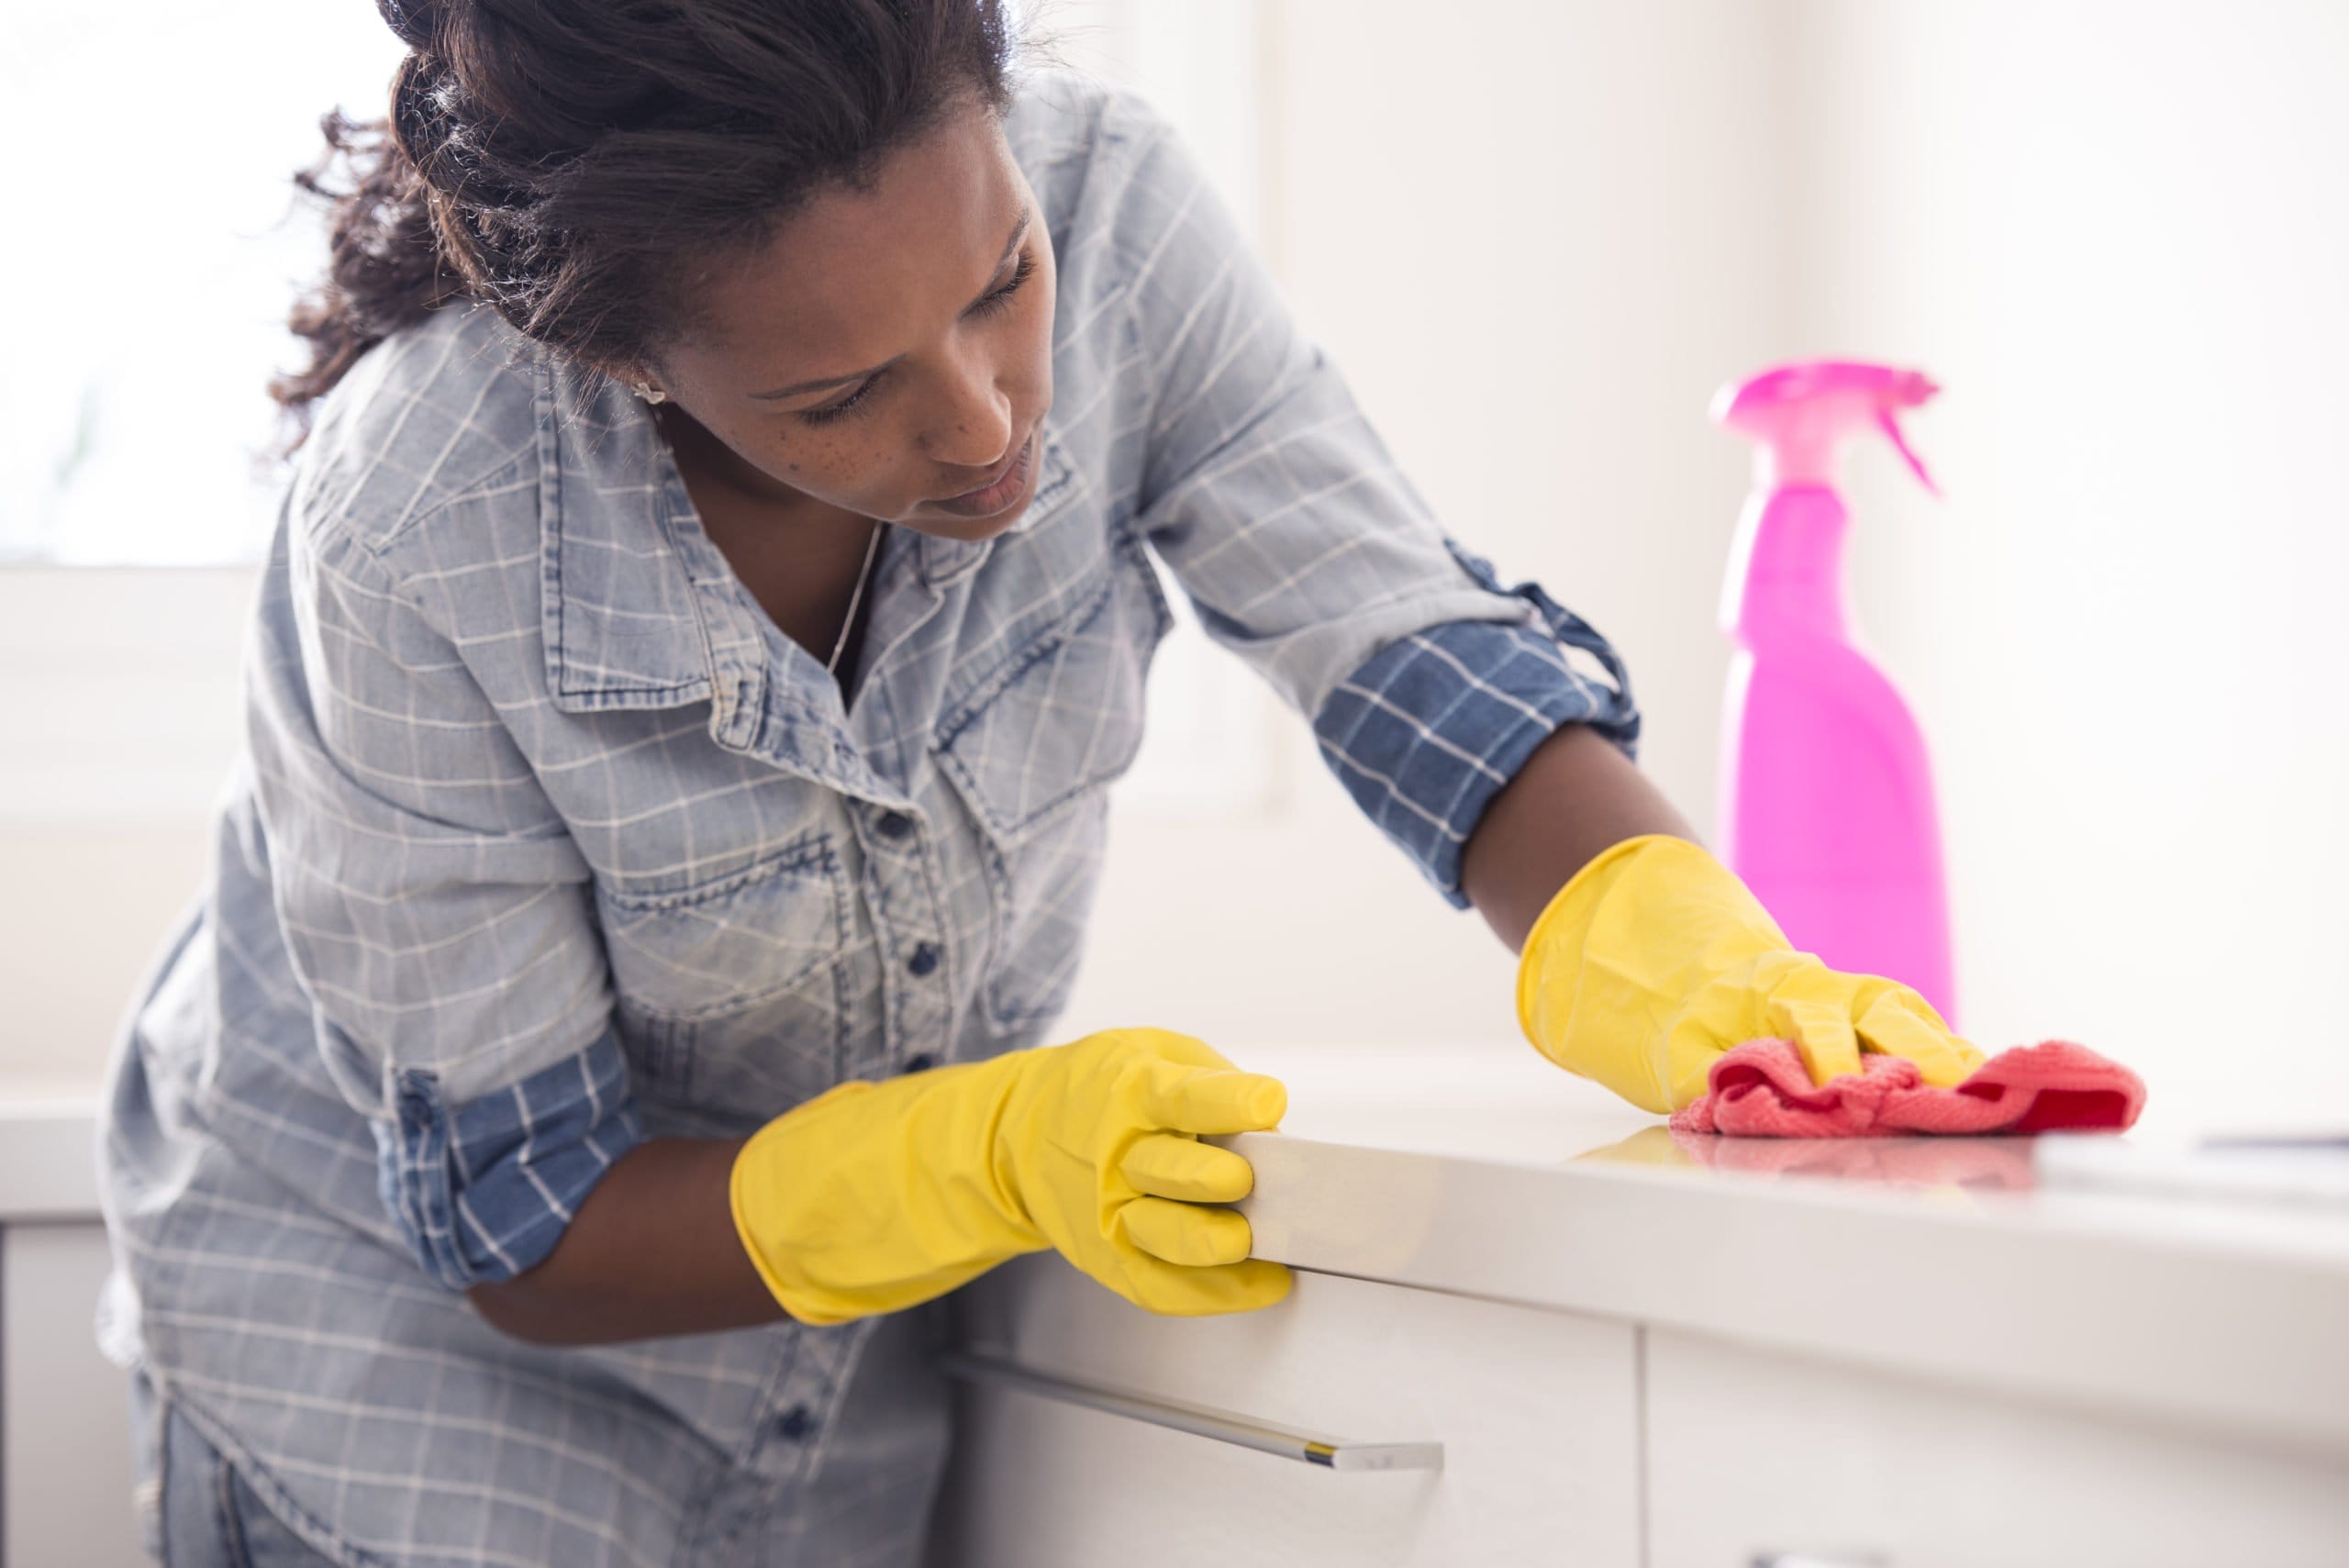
1892	429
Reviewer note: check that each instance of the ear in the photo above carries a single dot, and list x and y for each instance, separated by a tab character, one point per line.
629	378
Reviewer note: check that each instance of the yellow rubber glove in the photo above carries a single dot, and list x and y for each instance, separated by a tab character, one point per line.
1655	960
874	1196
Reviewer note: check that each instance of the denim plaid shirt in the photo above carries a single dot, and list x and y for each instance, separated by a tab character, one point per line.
544	841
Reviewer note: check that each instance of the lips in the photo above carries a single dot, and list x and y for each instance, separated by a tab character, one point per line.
997	476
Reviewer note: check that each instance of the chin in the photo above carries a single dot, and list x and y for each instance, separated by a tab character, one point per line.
971	528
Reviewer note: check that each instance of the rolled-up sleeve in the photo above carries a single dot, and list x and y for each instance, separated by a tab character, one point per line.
1308	553
437	912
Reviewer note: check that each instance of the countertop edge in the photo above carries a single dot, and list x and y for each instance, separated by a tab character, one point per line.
49	1159
2076	1303
2088	1310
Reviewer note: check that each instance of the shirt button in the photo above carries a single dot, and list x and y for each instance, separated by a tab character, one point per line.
924	960
895	825
922	1062
794	1423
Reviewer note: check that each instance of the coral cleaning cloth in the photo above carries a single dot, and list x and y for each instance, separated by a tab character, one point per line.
1760	1090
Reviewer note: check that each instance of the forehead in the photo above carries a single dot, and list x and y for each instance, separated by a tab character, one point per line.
850	279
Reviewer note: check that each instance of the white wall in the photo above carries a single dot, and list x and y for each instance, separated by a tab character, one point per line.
2117	233
119	720
1535	238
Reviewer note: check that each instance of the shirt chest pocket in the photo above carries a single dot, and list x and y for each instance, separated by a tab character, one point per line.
730	987
1034	733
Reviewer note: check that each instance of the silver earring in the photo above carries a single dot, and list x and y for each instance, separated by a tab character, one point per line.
650	394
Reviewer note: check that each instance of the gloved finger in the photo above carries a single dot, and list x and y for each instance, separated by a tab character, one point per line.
1900	1022
1190	1233
1197	1292
1258	1281
1206	1099
1176	1166
1175	1046
1819	1021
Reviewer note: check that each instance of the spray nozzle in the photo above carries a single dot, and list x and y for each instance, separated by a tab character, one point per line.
1797	413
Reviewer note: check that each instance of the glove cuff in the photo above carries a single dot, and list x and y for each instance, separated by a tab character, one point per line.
1555	944
874	1196
745	1197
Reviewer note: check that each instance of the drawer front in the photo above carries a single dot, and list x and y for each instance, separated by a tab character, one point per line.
1536	1412
66	1451
1754	1454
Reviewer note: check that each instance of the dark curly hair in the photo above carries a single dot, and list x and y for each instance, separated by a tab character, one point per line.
559	159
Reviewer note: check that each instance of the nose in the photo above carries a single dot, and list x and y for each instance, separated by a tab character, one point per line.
973	428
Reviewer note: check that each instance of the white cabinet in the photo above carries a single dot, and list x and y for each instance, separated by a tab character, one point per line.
1559	1432
1536	1413
64	1409
1752	1453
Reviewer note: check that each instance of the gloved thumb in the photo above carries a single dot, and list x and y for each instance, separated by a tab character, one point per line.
1899	1022
1811	1006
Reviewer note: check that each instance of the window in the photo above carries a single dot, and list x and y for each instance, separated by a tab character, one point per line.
1215	744
151	305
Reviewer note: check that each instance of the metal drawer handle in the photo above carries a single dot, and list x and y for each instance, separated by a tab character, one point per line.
1311	1447
1811	1560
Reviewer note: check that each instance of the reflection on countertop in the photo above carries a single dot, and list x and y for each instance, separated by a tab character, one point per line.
1495	1101
1979	1165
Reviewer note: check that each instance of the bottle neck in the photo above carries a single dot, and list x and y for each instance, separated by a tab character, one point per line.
1786	570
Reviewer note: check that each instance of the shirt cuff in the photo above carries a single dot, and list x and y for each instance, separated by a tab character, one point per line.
1431	727
485	1192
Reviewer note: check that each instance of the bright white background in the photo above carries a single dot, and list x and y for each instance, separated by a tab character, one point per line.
1536	237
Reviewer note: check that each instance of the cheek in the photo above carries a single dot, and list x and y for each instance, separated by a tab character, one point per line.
1024	369
832	467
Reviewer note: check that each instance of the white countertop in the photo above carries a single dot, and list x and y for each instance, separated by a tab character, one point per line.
48	1151
1493	1173
1488	1171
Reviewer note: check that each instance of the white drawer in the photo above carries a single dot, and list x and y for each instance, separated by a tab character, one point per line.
64	1409
1536	1412
1752	1454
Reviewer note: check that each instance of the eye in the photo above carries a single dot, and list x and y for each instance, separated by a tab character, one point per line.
1020	274
825	414
994	302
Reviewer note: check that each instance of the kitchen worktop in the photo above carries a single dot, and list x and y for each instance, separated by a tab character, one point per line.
1492	1174
1486	1171
48	1148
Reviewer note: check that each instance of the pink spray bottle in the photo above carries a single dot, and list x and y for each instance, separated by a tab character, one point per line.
1827	797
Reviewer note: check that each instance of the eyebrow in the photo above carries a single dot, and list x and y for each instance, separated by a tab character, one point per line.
1019	232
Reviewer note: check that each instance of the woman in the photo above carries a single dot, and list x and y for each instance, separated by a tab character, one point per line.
710	601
